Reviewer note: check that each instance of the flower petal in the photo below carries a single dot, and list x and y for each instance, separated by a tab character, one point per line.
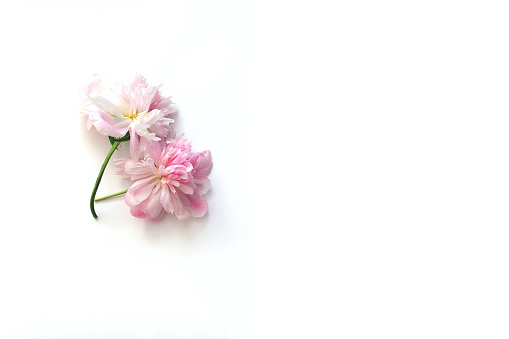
199	205
109	125
203	165
106	106
140	190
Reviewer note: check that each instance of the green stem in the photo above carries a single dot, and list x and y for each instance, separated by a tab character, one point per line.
111	195
99	177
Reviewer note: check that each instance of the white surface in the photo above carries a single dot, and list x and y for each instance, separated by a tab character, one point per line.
389	121
66	275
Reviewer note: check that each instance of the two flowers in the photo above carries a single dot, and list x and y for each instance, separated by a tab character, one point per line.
166	175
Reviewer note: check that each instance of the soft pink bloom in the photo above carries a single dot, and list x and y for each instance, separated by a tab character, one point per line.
170	178
115	109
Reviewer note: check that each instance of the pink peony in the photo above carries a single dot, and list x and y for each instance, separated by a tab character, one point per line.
115	109
169	178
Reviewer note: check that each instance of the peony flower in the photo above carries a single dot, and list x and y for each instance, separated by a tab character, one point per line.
136	107
170	178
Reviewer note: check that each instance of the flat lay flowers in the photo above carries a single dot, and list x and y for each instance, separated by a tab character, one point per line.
165	174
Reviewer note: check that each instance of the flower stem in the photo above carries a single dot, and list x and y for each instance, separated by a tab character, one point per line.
99	177
111	195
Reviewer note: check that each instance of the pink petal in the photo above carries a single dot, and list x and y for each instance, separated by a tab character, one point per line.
144	211
109	125
154	151
176	203
139	170
199	205
140	190
138	81
154	206
89	124
120	165
106	106
165	199
202	185
186	189
204	164
134	144
137	212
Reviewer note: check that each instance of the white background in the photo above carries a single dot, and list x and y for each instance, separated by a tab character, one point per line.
376	162
383	209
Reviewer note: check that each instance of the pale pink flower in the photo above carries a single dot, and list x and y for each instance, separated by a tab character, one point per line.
115	109
170	178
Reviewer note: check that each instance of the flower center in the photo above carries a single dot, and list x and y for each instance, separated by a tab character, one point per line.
130	114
